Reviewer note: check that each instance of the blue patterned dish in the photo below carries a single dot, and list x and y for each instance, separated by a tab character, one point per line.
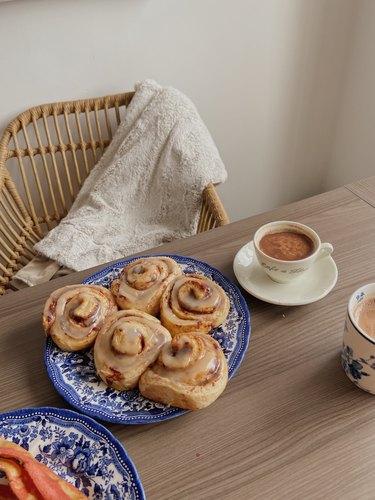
77	448
73	373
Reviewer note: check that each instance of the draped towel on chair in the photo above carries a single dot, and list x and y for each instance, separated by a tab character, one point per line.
146	189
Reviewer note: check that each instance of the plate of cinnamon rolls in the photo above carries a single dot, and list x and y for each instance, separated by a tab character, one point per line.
145	339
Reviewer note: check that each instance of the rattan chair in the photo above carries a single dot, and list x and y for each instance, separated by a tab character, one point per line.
45	155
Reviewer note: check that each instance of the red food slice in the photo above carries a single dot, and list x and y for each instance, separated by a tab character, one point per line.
20	484
49	485
6	493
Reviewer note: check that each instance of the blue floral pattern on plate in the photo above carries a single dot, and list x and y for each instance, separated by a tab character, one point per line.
77	448
74	376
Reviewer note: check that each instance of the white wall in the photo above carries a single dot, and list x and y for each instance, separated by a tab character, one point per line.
264	74
353	149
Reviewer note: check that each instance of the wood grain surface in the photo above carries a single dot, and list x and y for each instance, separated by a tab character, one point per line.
290	425
364	189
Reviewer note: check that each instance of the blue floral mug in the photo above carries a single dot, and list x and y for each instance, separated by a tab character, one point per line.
358	351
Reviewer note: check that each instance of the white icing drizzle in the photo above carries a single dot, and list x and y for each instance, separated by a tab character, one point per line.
194	300
140	278
142	282
128	343
192	359
79	309
196	295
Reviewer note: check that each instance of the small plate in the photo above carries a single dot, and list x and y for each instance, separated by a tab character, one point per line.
74	376
77	449
315	284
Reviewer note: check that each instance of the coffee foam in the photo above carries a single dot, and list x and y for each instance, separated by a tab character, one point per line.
364	315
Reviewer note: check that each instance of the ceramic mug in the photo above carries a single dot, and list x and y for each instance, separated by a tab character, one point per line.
284	271
358	350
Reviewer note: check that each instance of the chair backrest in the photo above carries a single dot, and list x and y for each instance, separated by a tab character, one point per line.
49	151
46	153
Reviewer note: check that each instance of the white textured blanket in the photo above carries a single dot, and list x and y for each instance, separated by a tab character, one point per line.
146	189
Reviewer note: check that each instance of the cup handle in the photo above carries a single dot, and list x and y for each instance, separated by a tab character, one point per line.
325	250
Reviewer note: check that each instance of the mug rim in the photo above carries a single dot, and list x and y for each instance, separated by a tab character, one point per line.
351	318
298	224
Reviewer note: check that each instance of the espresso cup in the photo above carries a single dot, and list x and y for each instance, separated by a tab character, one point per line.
358	350
284	271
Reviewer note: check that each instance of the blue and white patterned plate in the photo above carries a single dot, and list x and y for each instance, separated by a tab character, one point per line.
77	448
73	373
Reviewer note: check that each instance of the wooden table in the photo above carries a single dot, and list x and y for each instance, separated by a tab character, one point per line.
290	425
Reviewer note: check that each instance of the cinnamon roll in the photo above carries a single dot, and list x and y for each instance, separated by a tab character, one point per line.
73	315
191	372
128	342
193	302
142	282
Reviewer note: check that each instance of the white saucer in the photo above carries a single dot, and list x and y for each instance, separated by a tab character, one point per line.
315	284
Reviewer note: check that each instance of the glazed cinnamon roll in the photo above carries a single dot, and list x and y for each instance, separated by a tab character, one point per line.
128	342
193	302
73	315
142	282
191	372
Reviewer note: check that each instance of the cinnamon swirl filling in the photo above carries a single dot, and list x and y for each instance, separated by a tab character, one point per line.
193	302
128	342
191	372
74	314
142	282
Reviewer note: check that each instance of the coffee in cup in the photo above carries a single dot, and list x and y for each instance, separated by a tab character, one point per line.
286	249
287	245
364	316
358	350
